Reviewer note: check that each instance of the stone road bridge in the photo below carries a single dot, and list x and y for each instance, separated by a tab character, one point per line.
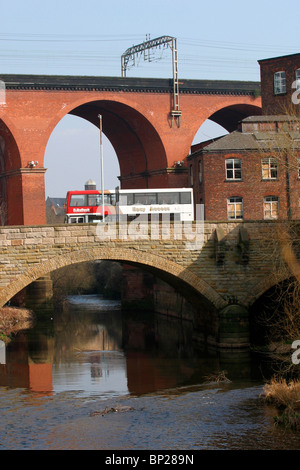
227	264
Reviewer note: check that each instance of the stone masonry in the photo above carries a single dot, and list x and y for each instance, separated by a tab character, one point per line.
226	263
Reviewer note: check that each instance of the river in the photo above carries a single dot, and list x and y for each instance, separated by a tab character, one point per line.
57	378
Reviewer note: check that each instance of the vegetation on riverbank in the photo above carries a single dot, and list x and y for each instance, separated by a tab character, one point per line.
281	324
12	320
285	396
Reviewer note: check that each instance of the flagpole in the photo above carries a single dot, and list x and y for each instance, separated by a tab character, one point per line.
102	173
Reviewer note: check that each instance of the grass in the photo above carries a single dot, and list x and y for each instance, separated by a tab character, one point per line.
286	398
13	319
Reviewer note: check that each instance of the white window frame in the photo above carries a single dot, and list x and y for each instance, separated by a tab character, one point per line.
279	82
271	168
236	167
297	78
237	211
273	210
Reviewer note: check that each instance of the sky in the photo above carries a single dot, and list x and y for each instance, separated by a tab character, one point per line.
216	40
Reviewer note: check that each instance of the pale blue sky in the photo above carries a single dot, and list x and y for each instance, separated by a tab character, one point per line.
216	40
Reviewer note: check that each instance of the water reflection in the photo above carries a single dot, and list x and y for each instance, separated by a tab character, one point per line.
90	355
94	349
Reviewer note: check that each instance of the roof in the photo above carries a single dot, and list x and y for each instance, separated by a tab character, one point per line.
56	201
289	56
254	140
271	118
236	140
93	83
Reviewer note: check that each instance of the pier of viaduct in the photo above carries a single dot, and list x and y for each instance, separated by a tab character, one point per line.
226	266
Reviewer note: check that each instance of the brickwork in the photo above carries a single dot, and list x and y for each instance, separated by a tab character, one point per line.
251	144
136	120
219	270
281	103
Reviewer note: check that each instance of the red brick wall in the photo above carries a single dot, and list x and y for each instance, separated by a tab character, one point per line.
278	104
138	125
215	190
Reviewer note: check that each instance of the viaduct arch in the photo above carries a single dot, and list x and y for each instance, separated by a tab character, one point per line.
137	120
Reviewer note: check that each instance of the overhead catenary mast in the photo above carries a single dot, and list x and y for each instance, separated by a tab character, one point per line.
163	41
101	163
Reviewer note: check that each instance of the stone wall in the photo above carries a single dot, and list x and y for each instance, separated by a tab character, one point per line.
234	263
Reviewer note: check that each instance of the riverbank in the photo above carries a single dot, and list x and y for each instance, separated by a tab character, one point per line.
12	320
285	396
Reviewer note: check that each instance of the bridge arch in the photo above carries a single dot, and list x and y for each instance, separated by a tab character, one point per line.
167	269
10	174
263	286
229	116
137	144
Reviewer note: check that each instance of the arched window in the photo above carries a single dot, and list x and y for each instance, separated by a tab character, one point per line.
279	83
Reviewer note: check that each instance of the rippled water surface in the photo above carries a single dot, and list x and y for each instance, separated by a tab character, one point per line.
58	374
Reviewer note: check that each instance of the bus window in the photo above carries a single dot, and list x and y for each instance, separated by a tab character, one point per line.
94	200
78	200
185	198
145	199
168	198
113	199
126	199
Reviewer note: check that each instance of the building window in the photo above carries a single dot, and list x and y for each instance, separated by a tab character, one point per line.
297	78
233	168
269	168
191	175
200	171
235	208
271	207
279	83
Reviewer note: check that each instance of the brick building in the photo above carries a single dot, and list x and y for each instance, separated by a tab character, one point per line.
253	172
280	82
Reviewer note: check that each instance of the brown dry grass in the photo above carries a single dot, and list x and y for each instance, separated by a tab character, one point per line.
286	397
282	393
13	319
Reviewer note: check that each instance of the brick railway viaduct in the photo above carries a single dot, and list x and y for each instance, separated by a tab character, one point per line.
137	119
224	266
229	272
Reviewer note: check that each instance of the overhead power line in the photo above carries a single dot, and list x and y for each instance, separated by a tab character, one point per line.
97	54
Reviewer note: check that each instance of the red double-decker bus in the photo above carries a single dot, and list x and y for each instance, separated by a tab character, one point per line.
86	206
